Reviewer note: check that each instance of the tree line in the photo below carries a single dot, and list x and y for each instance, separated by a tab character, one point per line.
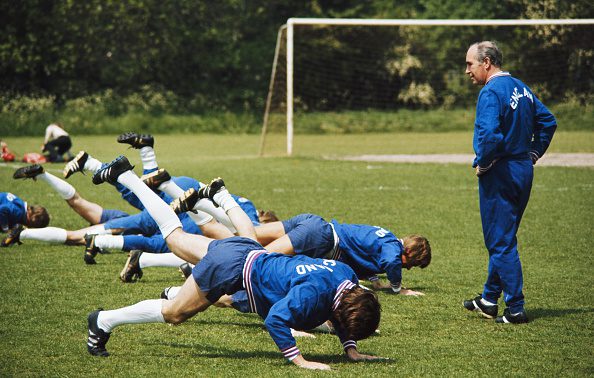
204	55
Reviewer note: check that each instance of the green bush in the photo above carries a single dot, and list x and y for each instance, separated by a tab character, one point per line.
155	111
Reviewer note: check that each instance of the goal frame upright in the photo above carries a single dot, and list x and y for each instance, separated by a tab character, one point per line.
292	22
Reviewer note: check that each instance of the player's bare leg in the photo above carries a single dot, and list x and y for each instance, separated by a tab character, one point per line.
269	232
189	301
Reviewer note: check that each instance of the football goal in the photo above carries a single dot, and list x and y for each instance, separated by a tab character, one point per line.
368	75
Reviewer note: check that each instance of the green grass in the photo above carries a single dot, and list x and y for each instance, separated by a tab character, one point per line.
240	146
47	291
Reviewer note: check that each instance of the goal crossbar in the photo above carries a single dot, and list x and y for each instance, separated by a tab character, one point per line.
436	22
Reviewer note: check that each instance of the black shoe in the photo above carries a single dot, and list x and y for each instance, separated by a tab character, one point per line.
154	179
208	191
112	171
186	270
76	165
165	292
97	337
132	271
186	202
90	249
30	171
136	140
13	236
489	312
508	317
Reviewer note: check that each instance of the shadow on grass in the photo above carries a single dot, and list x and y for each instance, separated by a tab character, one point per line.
537	313
228	323
201	350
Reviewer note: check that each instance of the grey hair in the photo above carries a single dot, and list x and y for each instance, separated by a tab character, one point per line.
489	49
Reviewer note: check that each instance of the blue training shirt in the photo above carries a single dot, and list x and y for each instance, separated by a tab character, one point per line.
186	182
510	121
370	250
13	211
295	292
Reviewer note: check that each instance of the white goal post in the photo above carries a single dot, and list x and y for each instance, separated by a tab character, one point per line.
292	22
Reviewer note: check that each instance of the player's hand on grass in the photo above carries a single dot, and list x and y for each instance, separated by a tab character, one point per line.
303	363
404	291
296	333
354	355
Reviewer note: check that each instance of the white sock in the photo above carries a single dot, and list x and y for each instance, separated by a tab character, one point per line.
173	291
171	189
64	189
47	234
148	260
200	218
92	164
224	199
98	229
148	311
174	191
159	210
217	212
109	241
487	303
148	157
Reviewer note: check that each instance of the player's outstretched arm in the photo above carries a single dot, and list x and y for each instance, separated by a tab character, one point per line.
303	363
405	291
354	355
388	287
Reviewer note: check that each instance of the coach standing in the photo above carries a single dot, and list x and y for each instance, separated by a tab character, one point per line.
512	130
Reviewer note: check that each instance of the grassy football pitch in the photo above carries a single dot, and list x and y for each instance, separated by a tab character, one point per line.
47	290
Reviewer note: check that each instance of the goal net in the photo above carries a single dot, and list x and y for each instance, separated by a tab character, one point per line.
335	76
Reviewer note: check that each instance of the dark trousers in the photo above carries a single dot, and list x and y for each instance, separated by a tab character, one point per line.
57	147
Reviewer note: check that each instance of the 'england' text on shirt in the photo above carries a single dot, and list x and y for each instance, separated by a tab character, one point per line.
516	96
306	268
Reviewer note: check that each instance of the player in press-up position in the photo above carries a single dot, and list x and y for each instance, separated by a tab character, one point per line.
138	259
287	292
369	250
108	225
90	211
105	222
15	214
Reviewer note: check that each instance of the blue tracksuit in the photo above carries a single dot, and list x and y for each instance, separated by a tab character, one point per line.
13	211
511	126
